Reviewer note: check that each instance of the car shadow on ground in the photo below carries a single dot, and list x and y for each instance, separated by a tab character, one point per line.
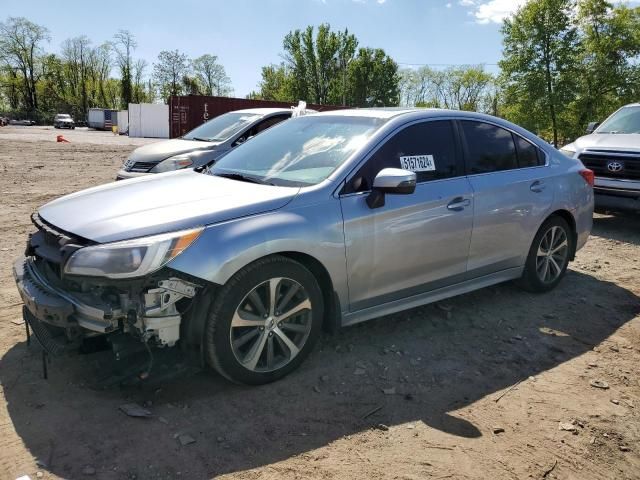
623	227
420	365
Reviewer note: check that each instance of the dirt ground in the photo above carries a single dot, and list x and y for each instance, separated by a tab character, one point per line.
474	387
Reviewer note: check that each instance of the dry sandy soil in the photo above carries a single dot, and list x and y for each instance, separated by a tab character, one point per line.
476	387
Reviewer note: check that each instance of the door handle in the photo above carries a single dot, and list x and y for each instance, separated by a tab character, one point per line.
458	204
537	186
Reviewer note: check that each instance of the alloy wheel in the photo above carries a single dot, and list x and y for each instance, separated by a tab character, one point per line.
271	325
552	255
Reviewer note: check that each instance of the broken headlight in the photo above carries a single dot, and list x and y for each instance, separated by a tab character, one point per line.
130	258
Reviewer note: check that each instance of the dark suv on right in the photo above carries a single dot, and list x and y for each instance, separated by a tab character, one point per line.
612	151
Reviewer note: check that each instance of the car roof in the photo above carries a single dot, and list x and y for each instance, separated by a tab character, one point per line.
387	113
263	111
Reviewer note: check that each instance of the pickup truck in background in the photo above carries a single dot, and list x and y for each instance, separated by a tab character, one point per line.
612	151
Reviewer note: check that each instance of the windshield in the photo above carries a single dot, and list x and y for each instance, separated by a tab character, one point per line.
223	127
63	116
299	152
625	120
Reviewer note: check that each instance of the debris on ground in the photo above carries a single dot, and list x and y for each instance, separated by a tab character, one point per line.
186	439
135	410
382	426
550	469
599	384
389	391
568	427
497	430
371	412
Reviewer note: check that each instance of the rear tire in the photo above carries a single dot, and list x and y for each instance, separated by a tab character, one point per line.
264	321
548	257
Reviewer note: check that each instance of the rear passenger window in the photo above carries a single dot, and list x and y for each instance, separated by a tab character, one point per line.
427	148
528	154
489	148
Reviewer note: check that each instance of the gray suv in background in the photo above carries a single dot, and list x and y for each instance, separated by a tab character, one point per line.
63	120
324	220
203	144
612	151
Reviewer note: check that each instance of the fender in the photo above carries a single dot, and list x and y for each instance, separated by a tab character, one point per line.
312	229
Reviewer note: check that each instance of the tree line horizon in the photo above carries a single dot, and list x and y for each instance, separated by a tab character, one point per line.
564	64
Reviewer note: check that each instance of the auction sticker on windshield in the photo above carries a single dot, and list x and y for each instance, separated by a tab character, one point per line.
418	163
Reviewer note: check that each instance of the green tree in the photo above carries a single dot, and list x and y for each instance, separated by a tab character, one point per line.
539	66
124	44
610	45
168	73
347	46
463	88
276	84
21	50
212	76
76	59
317	63
321	66
374	79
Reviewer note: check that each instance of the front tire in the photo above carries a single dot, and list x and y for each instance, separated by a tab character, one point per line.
548	257
264	321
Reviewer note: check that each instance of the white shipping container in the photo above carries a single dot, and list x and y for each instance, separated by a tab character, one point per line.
95	119
148	120
123	121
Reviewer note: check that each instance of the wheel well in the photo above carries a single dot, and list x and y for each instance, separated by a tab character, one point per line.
332	311
568	217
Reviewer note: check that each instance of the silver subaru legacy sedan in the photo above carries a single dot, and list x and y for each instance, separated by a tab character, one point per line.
321	221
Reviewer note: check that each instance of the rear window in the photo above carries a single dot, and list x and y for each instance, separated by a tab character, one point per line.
528	154
489	148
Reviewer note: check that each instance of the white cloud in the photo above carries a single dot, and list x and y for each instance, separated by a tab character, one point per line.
495	11
492	11
448	5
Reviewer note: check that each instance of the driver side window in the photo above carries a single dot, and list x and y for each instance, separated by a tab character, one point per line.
427	148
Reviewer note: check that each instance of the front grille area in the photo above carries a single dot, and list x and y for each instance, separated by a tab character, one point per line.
601	161
52	246
142	166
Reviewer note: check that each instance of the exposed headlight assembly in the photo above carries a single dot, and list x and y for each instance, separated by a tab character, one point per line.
173	163
130	258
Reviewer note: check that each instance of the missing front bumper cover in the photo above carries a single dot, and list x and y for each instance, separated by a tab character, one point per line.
86	314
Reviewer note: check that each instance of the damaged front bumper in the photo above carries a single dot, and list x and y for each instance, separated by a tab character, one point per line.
50	305
149	314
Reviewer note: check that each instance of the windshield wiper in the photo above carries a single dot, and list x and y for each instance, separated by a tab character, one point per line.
199	139
242	178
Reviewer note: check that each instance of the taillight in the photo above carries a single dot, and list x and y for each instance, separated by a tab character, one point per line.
588	176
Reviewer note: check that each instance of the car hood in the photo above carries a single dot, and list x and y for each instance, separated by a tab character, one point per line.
158	151
160	203
609	141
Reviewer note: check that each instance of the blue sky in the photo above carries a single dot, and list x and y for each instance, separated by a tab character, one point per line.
247	34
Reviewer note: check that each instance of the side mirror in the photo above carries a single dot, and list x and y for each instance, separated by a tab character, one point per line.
592	127
392	181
